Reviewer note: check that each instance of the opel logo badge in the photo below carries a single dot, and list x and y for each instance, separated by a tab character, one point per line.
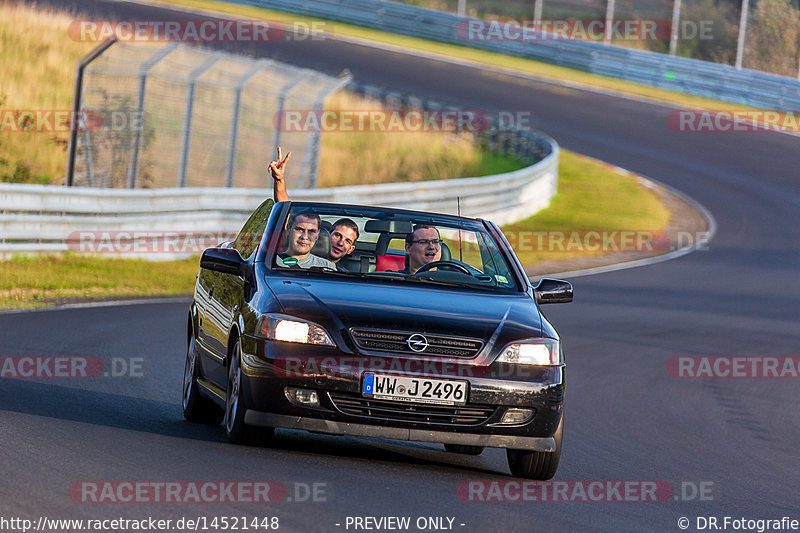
417	342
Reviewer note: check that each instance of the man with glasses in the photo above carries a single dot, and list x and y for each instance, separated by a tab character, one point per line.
423	246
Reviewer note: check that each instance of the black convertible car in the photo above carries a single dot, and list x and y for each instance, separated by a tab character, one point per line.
378	322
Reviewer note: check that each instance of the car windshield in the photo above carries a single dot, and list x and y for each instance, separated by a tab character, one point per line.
380	243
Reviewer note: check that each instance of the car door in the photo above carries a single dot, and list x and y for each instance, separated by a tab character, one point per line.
227	293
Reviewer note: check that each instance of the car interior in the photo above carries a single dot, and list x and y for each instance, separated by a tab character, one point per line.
380	249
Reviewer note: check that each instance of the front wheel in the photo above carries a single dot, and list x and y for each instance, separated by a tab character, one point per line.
237	431
536	465
196	408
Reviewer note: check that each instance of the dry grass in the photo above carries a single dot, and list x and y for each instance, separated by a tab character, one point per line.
362	158
38	60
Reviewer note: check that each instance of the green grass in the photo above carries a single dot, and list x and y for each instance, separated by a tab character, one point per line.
40	281
590	196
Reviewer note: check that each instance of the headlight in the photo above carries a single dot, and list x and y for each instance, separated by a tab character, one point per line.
292	330
532	352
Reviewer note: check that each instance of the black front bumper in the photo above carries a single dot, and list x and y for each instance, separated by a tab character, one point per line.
270	367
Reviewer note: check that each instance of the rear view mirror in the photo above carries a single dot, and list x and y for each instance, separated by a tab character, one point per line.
553	291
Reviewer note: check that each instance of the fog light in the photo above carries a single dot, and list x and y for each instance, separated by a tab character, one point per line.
306	397
516	416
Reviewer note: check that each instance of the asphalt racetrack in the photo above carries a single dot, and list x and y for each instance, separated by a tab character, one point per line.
714	447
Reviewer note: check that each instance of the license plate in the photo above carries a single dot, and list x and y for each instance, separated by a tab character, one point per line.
420	390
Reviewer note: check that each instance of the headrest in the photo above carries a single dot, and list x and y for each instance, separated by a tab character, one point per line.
396	227
322	247
446	256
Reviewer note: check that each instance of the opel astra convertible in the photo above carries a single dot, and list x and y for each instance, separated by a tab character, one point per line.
377	322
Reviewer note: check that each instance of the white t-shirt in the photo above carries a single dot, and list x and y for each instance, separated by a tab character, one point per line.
308	261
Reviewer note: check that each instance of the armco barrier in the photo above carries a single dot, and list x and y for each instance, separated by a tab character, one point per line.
690	76
42	218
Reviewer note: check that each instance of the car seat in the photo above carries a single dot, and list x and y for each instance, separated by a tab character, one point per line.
322	247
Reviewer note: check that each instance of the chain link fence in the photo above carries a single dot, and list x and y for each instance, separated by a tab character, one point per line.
180	116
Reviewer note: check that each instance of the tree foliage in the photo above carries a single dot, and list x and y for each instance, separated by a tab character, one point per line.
772	38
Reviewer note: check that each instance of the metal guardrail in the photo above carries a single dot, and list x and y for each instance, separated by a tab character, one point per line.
46	219
691	76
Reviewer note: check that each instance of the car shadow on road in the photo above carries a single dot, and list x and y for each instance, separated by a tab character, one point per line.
100	408
165	418
382	450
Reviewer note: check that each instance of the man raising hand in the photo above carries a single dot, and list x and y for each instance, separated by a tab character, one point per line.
344	233
277	169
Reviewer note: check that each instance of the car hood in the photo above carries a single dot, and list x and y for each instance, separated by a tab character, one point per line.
338	305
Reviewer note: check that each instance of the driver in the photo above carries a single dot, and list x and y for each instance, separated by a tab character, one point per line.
423	246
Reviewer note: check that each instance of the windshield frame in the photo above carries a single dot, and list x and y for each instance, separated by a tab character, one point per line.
281	211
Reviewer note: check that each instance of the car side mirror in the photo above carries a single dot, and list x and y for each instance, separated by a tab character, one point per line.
225	260
553	291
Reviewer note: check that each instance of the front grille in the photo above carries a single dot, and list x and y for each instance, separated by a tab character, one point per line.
353	404
397	342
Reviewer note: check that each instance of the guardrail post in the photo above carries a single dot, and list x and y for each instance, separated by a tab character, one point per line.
187	117
237	101
133	163
76	105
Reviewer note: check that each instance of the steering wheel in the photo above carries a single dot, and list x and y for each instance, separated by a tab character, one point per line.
452	265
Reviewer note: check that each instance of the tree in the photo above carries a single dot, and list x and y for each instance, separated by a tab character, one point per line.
718	44
772	38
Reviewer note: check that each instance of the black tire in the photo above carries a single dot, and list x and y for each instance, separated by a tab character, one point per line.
536	465
236	430
197	408
464	449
